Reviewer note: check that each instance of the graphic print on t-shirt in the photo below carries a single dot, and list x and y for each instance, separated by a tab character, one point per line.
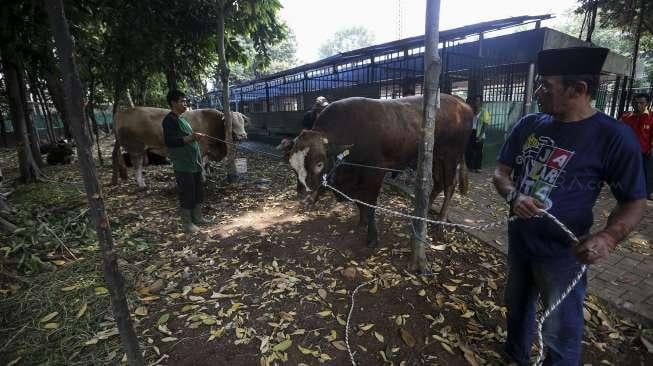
543	163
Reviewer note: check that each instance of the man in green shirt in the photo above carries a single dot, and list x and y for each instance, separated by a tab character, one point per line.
184	152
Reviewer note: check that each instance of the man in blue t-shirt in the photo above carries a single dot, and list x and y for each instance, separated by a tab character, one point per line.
557	161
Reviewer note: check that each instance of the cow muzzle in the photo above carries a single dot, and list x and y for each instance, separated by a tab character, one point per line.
239	136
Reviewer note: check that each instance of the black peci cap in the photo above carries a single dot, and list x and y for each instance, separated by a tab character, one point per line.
571	61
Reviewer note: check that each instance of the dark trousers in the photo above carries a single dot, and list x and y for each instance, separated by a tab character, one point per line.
474	152
648	171
190	189
563	330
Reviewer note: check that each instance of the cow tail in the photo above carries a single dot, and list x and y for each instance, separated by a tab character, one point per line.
463	177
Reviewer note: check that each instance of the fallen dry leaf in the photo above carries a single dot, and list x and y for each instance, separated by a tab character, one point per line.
339	345
407	337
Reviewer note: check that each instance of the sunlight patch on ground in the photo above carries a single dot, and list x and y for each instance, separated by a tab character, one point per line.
258	220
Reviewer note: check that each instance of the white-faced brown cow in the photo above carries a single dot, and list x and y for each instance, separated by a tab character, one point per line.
381	133
139	129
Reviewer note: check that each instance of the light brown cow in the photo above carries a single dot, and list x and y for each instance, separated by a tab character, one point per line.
139	129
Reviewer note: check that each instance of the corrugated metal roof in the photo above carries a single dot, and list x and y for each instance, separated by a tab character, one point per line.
446	35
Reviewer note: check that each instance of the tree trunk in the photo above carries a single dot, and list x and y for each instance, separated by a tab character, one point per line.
39	113
74	108
232	175
171	76
3	130
592	20
90	107
39	97
6	214
29	169
140	91
56	93
50	120
106	126
32	132
424	181
638	36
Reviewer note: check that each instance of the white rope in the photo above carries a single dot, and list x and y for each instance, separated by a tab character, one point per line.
372	167
238	146
413	217
351	310
547	312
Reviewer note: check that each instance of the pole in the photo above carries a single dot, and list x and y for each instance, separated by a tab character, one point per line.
424	181
528	96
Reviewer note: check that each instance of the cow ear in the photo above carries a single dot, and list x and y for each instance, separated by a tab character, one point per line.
285	146
340	150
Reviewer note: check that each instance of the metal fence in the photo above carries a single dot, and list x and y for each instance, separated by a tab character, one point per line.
103	117
501	73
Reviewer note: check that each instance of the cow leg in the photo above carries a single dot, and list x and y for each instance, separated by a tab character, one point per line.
438	231
372	234
448	193
362	215
449	183
137	161
373	184
118	167
206	172
439	178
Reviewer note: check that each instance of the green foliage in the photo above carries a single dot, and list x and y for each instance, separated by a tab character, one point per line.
346	40
604	36
43	195
617	23
145	46
282	57
36	224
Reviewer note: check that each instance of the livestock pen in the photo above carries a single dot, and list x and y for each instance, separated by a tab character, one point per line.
495	59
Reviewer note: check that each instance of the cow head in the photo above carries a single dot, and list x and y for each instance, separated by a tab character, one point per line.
311	156
238	123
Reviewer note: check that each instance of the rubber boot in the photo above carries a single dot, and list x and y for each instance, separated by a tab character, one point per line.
196	215
187	221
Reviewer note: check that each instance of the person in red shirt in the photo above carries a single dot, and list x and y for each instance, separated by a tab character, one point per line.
641	121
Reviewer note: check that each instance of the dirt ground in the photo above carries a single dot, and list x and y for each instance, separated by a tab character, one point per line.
267	284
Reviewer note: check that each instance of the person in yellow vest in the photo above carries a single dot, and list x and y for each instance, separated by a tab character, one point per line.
474	151
184	152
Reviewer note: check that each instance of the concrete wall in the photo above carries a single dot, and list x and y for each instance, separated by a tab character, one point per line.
614	63
276	124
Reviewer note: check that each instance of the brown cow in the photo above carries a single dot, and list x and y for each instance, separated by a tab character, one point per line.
140	129
382	133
